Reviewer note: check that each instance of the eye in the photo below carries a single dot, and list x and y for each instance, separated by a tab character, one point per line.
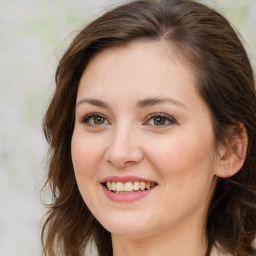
95	119
160	119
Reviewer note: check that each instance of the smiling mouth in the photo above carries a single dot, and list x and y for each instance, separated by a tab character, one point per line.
128	187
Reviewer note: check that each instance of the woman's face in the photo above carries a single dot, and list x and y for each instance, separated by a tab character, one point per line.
143	131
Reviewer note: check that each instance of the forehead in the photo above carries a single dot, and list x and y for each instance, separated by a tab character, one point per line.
138	62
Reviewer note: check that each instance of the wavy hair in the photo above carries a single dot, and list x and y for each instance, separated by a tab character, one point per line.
225	81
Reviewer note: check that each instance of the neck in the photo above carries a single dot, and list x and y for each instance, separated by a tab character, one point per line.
185	240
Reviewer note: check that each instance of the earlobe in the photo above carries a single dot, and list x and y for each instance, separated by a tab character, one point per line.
232	155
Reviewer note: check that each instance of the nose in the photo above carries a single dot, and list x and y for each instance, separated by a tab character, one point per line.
123	149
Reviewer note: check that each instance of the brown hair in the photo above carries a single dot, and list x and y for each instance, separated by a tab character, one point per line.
225	81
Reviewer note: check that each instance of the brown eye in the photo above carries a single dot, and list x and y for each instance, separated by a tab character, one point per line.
98	120
159	120
95	119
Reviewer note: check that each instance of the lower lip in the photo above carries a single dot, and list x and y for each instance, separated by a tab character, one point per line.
126	197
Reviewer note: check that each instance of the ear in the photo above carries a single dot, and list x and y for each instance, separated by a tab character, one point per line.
231	156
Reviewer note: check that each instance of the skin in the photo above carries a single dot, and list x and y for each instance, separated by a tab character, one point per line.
180	156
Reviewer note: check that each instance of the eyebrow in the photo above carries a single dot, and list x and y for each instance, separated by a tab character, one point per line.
95	102
141	103
154	101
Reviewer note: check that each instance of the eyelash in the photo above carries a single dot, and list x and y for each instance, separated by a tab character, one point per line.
92	116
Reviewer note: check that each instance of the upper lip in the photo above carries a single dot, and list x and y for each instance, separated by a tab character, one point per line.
124	179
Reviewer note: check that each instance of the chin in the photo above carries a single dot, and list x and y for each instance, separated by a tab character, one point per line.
129	226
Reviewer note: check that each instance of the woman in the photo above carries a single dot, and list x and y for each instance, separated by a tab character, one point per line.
152	136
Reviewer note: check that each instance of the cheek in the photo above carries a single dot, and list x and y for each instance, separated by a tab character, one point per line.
186	171
85	157
184	157
86	153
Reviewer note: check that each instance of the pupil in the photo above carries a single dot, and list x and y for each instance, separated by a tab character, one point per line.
98	120
159	121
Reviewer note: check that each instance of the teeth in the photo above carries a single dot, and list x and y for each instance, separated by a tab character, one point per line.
113	185
136	185
109	185
129	186
119	186
142	185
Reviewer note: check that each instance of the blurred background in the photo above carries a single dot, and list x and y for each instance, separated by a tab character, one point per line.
33	36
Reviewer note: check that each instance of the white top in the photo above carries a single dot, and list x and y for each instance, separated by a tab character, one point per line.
216	252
